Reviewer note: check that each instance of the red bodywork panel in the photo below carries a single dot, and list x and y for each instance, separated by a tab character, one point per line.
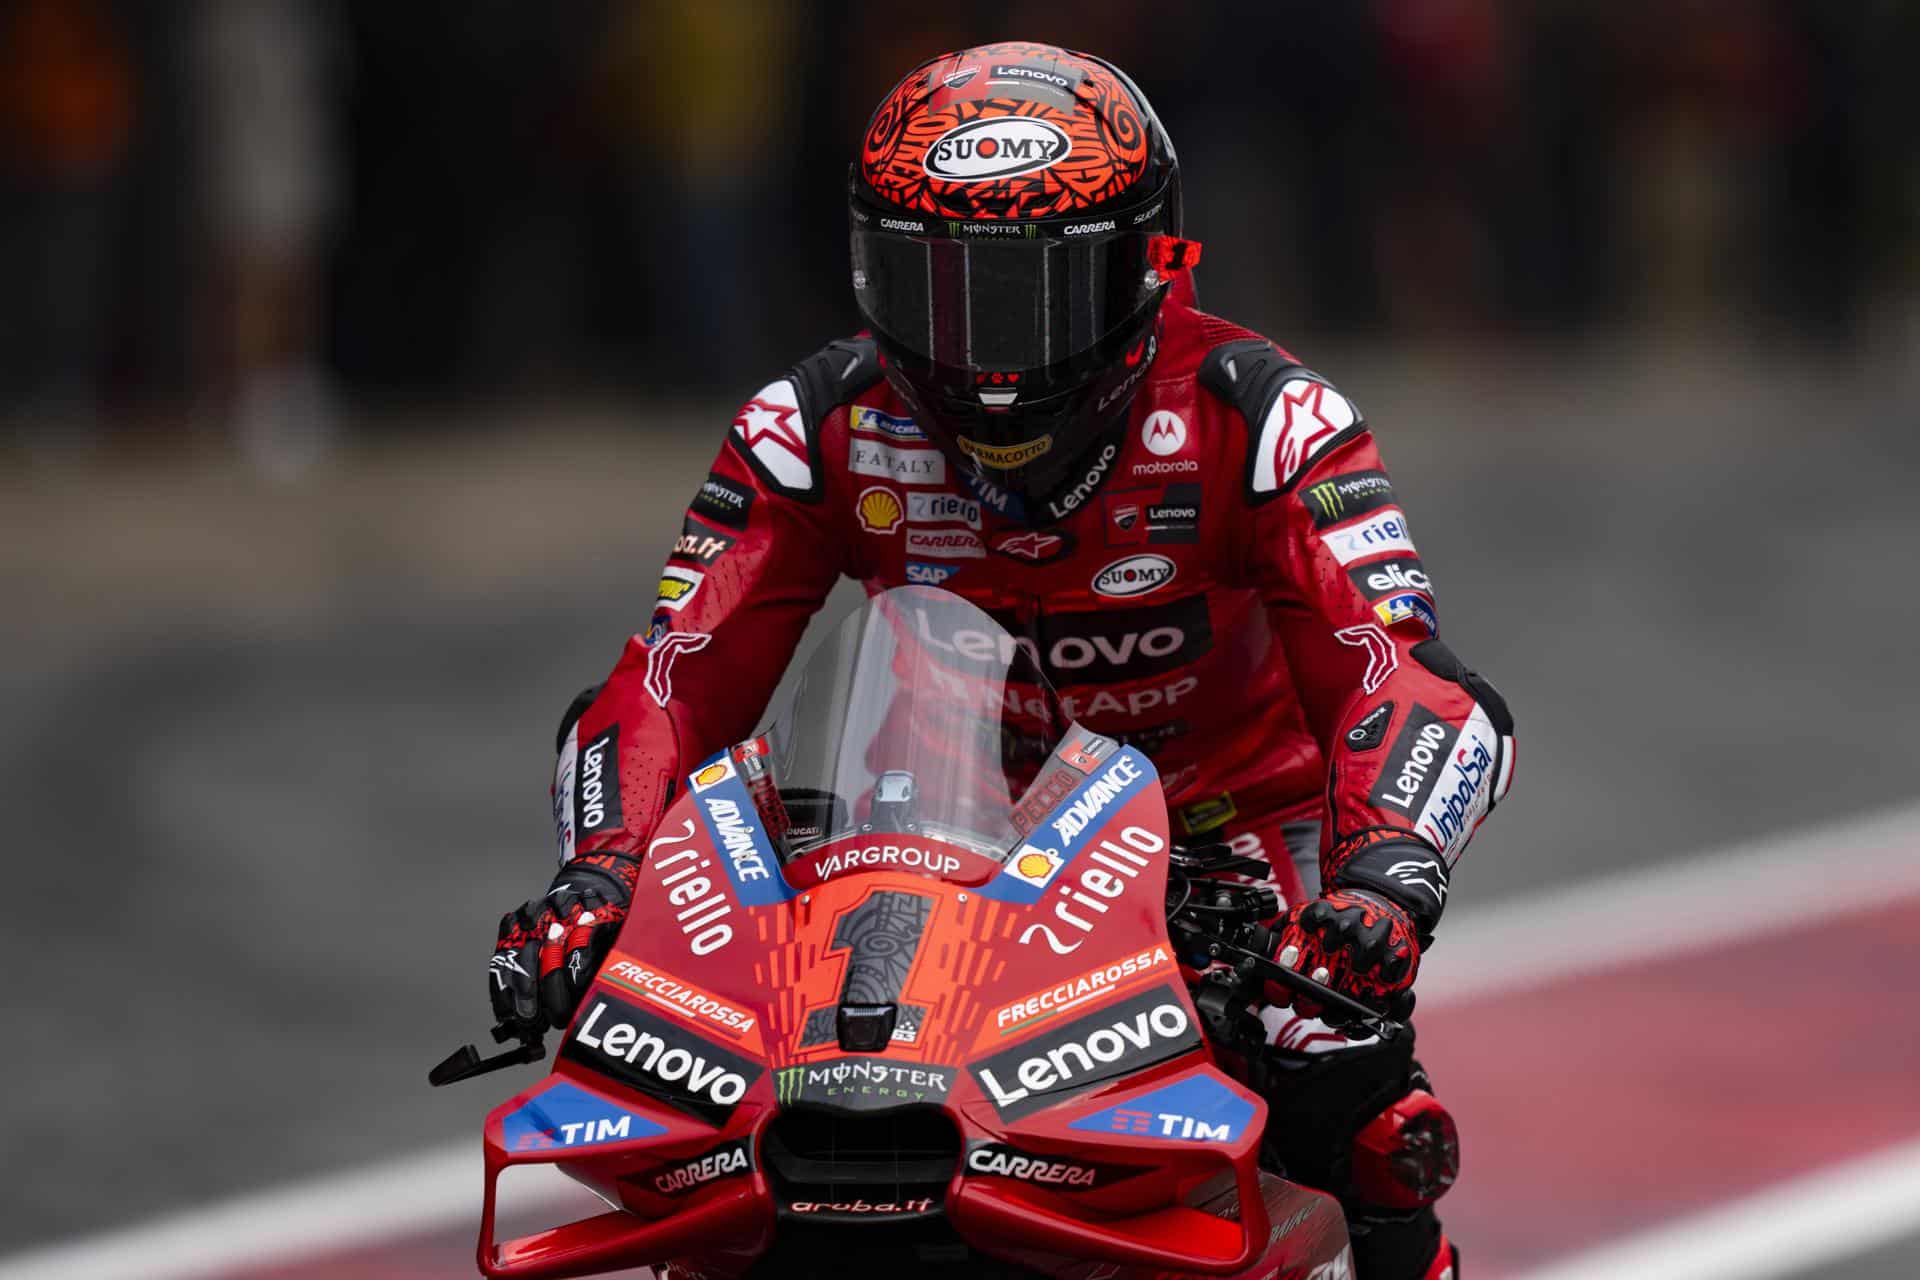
1039	1008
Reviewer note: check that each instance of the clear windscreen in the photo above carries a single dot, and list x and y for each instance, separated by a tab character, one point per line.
918	714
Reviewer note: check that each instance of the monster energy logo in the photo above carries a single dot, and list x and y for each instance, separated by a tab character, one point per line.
1346	496
861	1084
1327	494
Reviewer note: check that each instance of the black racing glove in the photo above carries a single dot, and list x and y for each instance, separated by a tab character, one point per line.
550	948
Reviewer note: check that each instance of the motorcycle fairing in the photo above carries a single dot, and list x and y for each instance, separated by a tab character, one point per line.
729	966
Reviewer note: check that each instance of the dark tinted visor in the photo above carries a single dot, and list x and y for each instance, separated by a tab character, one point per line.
1005	304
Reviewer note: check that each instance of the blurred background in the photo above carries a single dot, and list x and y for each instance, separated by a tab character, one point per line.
357	359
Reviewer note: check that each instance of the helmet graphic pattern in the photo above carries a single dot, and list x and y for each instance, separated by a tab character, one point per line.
1107	156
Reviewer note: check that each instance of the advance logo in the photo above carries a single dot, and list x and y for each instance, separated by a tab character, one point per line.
733	822
656	1057
1108	1043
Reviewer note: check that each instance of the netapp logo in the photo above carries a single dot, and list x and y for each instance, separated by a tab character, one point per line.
1111	1042
617	1039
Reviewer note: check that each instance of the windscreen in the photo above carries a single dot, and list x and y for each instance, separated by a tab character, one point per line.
920	713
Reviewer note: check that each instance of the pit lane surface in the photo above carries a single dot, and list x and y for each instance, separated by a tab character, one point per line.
288	750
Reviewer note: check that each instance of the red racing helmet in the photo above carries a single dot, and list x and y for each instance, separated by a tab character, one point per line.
1015	216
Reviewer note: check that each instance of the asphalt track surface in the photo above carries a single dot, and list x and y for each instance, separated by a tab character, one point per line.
275	763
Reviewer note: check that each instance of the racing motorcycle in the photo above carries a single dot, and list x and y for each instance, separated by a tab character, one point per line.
917	975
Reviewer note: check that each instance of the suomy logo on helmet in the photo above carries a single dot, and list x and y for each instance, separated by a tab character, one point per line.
999	147
1005	457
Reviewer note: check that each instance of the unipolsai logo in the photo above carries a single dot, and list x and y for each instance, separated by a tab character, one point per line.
1000	147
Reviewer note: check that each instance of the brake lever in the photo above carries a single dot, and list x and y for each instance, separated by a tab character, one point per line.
465	1062
1250	964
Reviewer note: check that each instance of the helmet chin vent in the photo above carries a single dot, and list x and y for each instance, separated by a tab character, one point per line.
998	397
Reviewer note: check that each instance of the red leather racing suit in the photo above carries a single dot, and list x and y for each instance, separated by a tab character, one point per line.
1231	587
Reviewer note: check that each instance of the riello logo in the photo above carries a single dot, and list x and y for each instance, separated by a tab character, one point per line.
1001	147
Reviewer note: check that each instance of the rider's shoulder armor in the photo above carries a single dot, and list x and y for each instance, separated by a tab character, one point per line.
778	430
1293	415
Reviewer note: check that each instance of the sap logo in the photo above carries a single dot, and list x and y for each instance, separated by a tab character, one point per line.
1199	1108
1112	1042
636	1048
929	575
1091	891
982	150
569	1116
721	1162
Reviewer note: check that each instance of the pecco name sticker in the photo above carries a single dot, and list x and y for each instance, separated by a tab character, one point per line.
982	150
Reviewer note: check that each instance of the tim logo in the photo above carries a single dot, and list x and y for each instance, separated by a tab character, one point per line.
981	150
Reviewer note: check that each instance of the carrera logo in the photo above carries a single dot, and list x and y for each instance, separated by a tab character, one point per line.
1115	1041
949	543
1001	147
1133	576
652	1055
1005	457
721	1162
997	1159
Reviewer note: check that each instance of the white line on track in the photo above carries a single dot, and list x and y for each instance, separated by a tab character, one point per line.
1589	926
1839	1212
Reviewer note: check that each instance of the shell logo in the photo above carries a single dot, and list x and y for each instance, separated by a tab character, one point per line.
1034	866
879	510
713	773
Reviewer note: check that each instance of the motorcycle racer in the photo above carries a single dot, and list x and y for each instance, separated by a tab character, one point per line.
1195	531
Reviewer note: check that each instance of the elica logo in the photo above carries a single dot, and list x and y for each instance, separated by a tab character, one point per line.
1120	1038
982	150
1392	575
637	1048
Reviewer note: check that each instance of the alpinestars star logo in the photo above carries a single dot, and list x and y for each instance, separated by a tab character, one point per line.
759	421
1032	545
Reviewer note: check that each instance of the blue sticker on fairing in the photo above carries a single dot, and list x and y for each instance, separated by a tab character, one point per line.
568	1116
734	823
1069	828
1200	1108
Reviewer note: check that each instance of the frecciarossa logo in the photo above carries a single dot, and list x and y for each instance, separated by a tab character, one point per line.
1113	1041
656	1057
